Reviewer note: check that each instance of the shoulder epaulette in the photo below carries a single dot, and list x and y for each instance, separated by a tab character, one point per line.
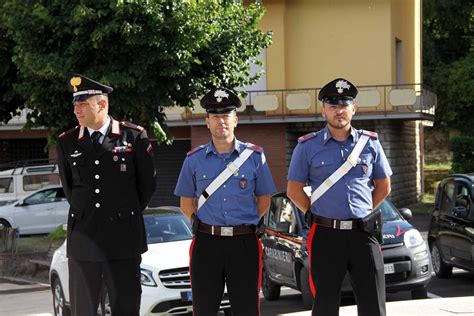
304	138
254	147
68	131
370	134
131	125
195	150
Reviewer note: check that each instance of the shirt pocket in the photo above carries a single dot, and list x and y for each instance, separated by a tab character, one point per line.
323	165
122	163
364	166
204	177
243	181
77	164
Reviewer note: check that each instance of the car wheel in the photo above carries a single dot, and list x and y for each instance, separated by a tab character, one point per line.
306	294
104	306
5	223
441	269
419	293
59	303
271	290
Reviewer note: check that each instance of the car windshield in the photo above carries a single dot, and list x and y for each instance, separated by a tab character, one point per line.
164	227
389	212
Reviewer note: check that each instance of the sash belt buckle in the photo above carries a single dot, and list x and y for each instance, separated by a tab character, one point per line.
227	231
345	225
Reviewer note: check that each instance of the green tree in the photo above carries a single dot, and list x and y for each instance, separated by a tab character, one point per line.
448	60
154	53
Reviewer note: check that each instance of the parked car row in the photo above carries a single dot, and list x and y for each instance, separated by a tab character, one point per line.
165	280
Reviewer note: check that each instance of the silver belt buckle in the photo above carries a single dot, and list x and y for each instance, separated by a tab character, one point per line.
345	225
227	231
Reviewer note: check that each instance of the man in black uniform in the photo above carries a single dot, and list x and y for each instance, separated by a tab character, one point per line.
108	176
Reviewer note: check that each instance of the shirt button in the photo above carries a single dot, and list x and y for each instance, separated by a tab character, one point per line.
204	176
74	163
322	162
97	190
225	199
97	205
224	185
96	162
97	176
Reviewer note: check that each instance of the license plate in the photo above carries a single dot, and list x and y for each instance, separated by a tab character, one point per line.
389	268
187	296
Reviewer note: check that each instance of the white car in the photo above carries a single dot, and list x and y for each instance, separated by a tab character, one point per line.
40	212
166	289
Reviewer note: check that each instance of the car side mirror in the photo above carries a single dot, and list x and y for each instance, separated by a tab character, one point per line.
406	213
283	227
21	203
460	211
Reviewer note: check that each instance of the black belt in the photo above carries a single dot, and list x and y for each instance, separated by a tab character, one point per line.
337	223
226	230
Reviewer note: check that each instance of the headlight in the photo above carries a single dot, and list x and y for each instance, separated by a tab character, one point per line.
146	278
412	238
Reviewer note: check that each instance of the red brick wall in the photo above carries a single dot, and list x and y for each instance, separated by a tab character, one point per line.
269	136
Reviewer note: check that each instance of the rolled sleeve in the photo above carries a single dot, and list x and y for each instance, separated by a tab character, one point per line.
299	166
264	183
382	168
186	187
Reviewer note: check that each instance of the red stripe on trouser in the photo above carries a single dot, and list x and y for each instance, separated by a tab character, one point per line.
259	284
310	244
190	262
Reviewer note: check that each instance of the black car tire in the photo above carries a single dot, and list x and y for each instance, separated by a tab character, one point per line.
306	294
59	303
271	290
442	270
419	293
5	223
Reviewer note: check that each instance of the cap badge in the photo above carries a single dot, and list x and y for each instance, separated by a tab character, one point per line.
75	81
341	85
219	94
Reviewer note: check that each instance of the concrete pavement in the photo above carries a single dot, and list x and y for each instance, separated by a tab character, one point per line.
434	307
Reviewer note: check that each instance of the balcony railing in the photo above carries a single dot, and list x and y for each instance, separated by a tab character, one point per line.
406	101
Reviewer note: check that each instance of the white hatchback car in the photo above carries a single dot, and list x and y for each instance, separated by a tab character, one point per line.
41	212
166	289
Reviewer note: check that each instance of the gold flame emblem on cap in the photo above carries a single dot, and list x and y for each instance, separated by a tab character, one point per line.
75	81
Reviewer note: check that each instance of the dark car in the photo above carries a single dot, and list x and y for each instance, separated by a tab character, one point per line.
285	256
451	234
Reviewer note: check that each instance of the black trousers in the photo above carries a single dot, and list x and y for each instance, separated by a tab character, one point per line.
121	277
333	253
235	261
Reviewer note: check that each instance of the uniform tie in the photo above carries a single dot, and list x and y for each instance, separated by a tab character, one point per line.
95	139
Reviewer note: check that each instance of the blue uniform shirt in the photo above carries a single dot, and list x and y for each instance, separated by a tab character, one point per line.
317	156
234	202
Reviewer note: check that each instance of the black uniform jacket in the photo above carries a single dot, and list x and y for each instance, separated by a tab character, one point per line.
107	189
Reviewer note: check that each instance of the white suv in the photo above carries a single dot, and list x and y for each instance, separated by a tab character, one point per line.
166	289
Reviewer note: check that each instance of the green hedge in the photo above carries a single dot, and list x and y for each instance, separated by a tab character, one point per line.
463	153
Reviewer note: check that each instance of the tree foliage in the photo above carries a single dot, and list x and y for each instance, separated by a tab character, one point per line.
448	60
154	53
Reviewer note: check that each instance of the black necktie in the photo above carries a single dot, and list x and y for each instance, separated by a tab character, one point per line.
95	139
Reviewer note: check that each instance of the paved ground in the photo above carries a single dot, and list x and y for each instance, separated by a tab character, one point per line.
433	307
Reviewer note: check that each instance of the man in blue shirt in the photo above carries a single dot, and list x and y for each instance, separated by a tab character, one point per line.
336	242
225	211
